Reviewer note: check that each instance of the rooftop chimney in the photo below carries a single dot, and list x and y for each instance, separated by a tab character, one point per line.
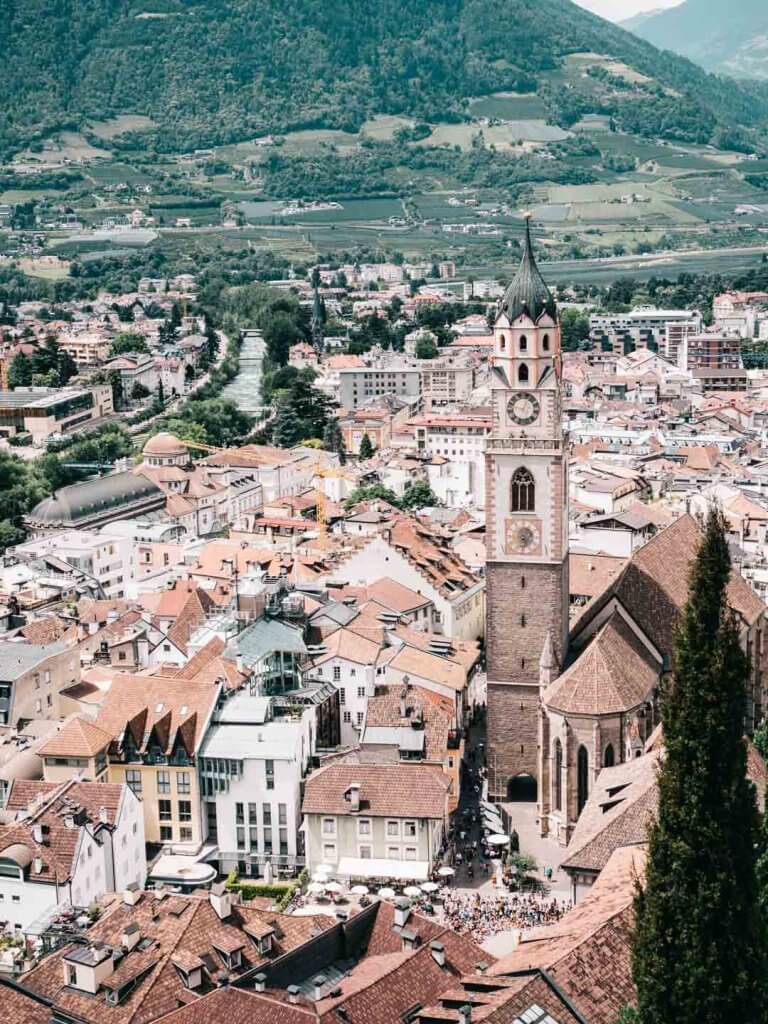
131	936
131	895
409	940
438	953
465	1014
37	832
37	865
221	900
317	987
293	993
353	795
402	911
260	982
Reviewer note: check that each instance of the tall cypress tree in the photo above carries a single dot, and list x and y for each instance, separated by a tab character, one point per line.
699	947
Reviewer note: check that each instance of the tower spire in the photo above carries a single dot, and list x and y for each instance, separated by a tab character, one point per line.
528	293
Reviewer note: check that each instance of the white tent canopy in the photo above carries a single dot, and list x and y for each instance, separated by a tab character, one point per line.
402	870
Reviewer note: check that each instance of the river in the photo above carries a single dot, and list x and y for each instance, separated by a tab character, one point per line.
245	389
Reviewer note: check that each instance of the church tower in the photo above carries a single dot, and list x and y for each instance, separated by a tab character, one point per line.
527	527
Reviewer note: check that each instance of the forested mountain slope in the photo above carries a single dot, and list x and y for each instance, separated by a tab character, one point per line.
221	70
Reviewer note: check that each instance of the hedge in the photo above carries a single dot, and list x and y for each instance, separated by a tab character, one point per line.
281	894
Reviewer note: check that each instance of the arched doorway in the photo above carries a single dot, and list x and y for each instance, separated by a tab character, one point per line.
582	772
522	788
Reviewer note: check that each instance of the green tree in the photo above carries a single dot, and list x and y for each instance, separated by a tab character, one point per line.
20	372
425	348
66	367
418	495
699	944
574	326
284	433
280	333
139	391
128	341
372	492
333	440
366	447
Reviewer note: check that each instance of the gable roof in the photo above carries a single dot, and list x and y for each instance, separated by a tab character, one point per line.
653	586
615	673
386	790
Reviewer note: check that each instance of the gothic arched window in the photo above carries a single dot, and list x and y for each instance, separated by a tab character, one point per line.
523	491
557	778
582	773
545	343
523	343
503	342
610	759
522	374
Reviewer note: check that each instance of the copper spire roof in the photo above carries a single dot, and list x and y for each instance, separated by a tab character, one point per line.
528	294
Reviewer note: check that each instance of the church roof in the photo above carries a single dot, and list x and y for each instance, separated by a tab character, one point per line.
653	586
528	294
615	673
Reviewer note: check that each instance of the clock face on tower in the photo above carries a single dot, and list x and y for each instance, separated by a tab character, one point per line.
523	409
523	537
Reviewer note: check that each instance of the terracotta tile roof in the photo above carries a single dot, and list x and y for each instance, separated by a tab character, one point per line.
181	928
239	1006
80	737
394	595
615	673
590	574
653	586
20	1007
189	703
351	646
588	952
48	630
384	708
404	790
424	665
48	803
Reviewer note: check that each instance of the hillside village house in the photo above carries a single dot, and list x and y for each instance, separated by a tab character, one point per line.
67	844
32	677
415	556
376	821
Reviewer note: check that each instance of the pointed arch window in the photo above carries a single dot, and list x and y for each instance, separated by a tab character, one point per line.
582	774
545	343
610	758
523	343
522	374
523	496
557	778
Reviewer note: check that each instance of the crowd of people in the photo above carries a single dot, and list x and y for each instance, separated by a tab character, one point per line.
482	916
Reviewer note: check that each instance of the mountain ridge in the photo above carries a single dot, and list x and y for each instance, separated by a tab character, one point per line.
227	70
723	38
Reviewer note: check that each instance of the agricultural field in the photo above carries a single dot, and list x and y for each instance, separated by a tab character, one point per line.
115	126
509	106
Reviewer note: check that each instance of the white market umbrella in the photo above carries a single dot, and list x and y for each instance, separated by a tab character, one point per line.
334	887
320	876
325	868
498	840
268	874
429	886
386	893
359	890
316	888
446	872
412	890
